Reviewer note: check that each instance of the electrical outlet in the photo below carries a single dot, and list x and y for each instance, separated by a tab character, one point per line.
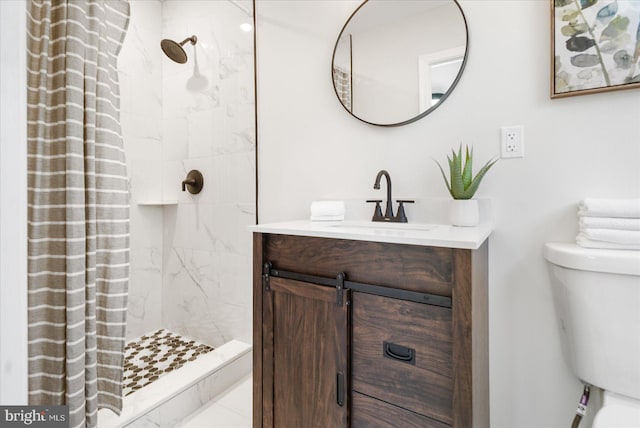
512	141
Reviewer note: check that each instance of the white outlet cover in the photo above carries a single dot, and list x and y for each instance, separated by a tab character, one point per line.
512	141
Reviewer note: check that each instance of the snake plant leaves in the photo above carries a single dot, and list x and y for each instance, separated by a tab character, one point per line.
587	3
579	43
467	175
461	184
444	176
457	186
585	60
562	3
473	187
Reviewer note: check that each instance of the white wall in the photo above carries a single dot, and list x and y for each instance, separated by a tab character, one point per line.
13	205
310	148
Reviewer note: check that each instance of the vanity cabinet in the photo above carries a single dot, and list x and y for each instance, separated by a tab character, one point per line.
353	333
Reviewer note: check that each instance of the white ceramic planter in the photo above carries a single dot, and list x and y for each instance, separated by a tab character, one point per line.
464	212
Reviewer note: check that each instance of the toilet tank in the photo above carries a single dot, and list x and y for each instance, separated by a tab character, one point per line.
597	301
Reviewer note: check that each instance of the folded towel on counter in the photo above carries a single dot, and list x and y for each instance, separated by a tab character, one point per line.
327	210
625	208
608	223
327	217
585	242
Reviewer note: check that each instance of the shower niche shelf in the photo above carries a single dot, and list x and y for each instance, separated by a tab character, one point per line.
152	203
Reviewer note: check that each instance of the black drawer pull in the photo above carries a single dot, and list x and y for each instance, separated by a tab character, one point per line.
399	353
340	389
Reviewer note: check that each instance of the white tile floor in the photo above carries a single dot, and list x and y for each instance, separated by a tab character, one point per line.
231	409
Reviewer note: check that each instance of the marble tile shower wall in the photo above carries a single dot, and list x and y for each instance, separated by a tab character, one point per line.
209	125
190	262
140	69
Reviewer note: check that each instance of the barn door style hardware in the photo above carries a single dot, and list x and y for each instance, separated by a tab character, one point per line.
340	283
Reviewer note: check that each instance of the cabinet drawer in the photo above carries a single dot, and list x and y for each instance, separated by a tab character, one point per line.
402	354
368	412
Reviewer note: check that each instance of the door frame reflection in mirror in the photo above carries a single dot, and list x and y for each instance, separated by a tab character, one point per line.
426	63
421	87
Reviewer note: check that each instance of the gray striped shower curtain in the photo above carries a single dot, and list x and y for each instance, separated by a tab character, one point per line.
78	206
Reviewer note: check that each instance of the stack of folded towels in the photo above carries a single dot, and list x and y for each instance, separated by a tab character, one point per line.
609	223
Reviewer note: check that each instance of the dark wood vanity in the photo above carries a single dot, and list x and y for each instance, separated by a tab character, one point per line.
343	336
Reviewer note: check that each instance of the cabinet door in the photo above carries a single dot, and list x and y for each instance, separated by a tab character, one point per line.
305	351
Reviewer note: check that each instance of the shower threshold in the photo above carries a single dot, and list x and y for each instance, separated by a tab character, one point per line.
174	395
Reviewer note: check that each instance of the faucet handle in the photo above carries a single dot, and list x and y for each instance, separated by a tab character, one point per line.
194	182
401	216
377	214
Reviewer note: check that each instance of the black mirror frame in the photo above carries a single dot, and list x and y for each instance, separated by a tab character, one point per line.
430	109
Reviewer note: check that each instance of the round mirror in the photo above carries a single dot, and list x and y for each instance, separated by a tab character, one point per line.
396	61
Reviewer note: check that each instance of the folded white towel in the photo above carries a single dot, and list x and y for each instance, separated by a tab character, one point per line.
613	236
608	223
626	208
327	210
327	217
588	243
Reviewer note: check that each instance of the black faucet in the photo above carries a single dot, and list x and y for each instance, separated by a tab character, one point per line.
388	214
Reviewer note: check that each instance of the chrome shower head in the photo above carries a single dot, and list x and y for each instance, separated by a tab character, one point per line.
175	51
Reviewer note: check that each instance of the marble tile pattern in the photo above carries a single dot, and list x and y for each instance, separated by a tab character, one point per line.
231	409
194	398
140	72
209	125
151	356
176	395
190	262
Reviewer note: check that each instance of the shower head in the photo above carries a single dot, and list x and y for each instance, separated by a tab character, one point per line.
175	51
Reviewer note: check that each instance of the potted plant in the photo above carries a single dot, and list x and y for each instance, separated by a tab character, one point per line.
463	185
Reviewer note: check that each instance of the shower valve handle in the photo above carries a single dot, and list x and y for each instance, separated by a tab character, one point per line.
194	182
190	182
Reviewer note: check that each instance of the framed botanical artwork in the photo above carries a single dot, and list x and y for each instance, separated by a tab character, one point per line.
595	46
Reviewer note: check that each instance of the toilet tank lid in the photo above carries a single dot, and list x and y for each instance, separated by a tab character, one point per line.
573	256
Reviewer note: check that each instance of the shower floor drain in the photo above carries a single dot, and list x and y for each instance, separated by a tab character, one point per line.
149	357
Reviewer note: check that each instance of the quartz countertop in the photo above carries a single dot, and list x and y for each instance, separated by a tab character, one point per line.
431	235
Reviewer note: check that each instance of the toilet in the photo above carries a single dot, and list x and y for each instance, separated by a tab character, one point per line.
596	296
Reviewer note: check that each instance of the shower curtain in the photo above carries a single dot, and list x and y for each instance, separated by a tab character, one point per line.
78	206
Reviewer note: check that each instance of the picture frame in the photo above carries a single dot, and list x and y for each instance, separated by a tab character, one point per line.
595	46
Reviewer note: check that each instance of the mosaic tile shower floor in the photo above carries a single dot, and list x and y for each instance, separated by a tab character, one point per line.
149	357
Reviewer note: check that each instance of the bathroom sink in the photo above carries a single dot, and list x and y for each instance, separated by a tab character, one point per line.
378	229
382	227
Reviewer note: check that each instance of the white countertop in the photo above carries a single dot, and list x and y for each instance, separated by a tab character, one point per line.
431	235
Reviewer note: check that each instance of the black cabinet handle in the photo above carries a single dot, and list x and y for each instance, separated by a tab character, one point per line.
340	388
399	353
